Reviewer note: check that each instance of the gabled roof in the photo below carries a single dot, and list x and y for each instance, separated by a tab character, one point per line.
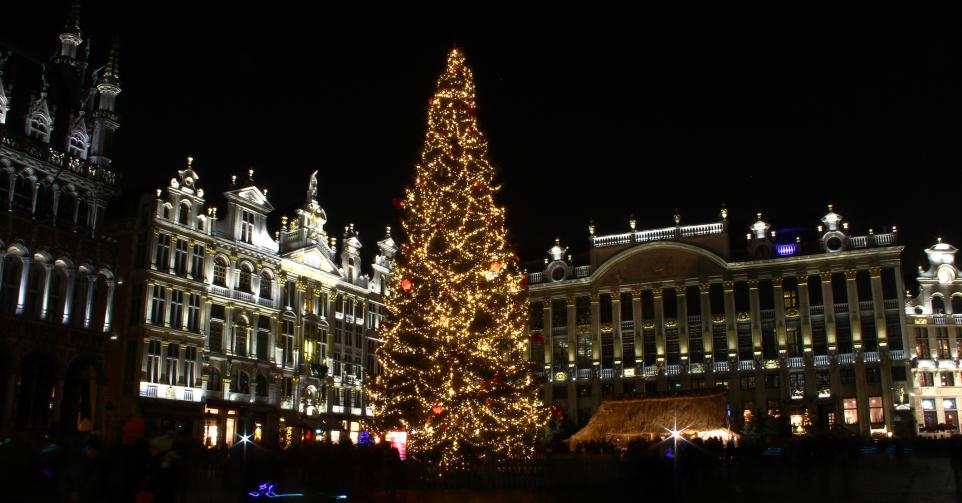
251	197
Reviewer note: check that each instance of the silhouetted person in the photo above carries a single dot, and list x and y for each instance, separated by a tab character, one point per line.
955	458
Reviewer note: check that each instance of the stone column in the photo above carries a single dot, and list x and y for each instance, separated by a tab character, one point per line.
548	338
755	313
659	318
637	326
595	330
828	302
878	310
778	298
45	290
854	312
681	307
804	313
572	334
24	281
109	308
33	198
616	338
660	343
730	317
707	340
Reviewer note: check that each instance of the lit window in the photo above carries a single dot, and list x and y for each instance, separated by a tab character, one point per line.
850	406
876	411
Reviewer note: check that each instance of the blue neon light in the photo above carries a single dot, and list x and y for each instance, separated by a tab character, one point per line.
786	250
267	489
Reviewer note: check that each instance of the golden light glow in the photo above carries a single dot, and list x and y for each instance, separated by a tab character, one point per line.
454	375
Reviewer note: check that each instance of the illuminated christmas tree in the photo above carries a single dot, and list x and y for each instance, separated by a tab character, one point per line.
453	368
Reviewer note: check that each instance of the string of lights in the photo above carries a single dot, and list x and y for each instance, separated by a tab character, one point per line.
453	372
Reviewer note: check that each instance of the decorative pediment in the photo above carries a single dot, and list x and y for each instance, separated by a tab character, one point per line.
313	257
660	262
252	197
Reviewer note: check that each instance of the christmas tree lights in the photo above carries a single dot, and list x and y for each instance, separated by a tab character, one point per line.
453	368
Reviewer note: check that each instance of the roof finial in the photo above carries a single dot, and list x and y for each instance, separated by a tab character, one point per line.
724	211
677	217
190	162
591	228
632	222
250	174
830	207
939	239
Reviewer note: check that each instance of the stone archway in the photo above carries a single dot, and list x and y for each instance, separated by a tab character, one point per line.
36	394
80	404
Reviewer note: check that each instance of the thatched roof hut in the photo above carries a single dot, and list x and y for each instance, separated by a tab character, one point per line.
619	421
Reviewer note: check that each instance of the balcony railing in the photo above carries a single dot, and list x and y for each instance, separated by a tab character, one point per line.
938	319
628	325
243	296
584	374
582	271
846	359
220	290
672	369
871	356
536	277
891	304
607	373
821	360
720	366
795	362
897	355
746	365
657	234
76	165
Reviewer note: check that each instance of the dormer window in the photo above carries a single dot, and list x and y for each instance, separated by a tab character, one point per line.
247	227
78	145
184	216
38	128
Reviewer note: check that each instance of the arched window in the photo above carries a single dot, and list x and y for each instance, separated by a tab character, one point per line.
241	331
260	388
220	272
10	291
938	304
242	384
57	297
184	216
244	278
266	285
165	211
34	298
213	380
78	312
957	304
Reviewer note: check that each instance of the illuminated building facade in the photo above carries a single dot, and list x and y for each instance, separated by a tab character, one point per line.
934	318
57	271
798	325
237	331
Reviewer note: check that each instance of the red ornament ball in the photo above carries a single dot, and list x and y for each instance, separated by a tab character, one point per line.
398	202
495	266
431	102
488	401
407	285
437	409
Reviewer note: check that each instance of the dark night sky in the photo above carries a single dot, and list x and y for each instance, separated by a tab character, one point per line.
589	114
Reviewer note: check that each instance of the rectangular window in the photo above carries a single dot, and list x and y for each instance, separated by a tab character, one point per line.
180	257
926	380
823	378
216	337
951	413
942	339
288	343
158	304
170	363
948	378
153	361
873	375
190	360
876	411
247	226
176	309
197	262
847	375
193	311
748	382
771	381
922	344
163	252
850	407
929	415
796	384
